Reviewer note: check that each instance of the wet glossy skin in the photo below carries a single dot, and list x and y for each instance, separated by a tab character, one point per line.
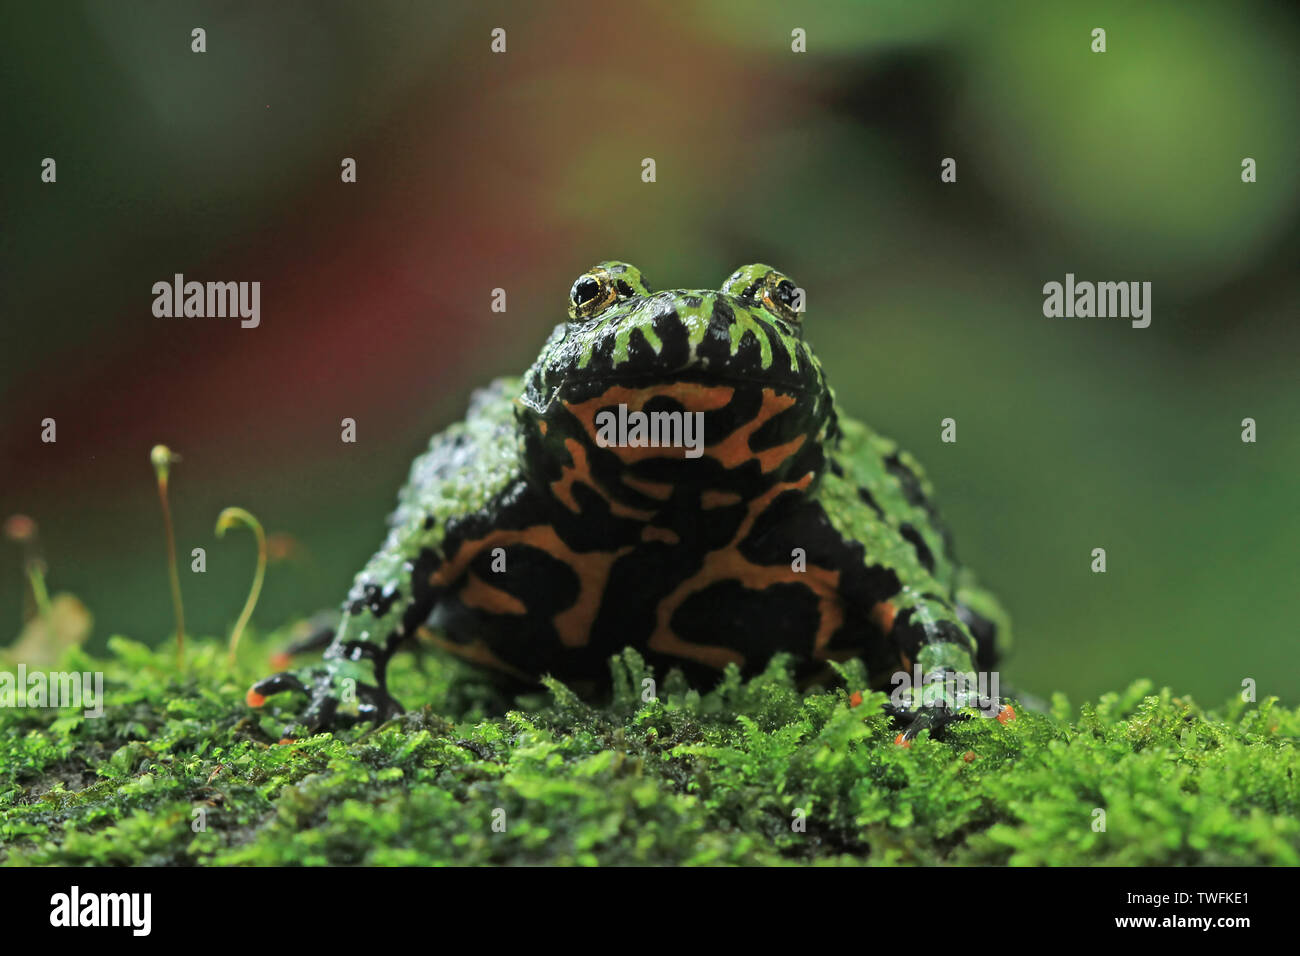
526	543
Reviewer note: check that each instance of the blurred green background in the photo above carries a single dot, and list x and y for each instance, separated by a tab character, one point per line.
520	170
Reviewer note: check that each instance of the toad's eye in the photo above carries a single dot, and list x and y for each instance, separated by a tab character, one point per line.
784	295
584	290
775	290
781	296
599	288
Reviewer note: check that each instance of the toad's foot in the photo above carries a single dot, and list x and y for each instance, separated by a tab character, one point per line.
339	691
946	697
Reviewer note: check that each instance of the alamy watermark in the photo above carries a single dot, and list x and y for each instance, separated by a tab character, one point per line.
75	908
206	300
651	430
53	689
1103	300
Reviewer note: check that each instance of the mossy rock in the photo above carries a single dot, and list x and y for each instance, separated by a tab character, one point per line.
180	771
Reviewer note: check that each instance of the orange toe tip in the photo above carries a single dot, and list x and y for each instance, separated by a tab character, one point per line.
901	742
968	756
254	699
855	699
1006	713
281	661
285	741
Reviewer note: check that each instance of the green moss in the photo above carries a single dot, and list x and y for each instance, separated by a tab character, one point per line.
721	777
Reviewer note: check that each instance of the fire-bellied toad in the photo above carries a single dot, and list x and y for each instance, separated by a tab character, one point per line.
672	474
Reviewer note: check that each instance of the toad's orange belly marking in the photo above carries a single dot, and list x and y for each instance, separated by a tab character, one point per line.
692	396
731	452
728	564
734	450
579	470
592	568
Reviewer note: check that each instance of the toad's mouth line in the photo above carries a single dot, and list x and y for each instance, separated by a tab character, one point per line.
699	374
590	388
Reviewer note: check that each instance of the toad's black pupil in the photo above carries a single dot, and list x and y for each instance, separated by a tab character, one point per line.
785	292
585	290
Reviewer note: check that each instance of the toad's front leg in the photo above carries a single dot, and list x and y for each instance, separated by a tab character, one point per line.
457	487
347	686
938	683
903	593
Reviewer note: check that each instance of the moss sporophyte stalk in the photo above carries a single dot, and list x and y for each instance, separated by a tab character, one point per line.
226	520
162	459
